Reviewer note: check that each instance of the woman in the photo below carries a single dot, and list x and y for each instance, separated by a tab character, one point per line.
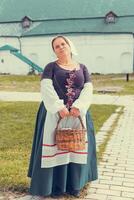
66	90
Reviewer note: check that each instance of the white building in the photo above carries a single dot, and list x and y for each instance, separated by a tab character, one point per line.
104	38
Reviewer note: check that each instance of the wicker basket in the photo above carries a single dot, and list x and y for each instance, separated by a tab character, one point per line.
70	139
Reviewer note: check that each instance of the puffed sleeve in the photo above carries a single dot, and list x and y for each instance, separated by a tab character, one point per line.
87	75
49	96
48	71
85	99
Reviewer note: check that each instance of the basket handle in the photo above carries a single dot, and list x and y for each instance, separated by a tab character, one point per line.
78	117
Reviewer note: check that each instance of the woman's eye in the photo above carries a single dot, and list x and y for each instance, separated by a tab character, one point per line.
56	47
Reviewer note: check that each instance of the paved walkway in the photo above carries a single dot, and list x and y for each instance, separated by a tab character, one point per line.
116	170
97	99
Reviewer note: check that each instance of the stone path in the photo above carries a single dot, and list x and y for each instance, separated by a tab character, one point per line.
19	96
116	170
97	99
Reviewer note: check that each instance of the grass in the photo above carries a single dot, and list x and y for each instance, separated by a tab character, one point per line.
17	126
102	147
114	82
100	113
17	123
31	83
19	83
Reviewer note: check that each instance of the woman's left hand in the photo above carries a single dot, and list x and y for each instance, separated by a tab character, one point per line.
74	112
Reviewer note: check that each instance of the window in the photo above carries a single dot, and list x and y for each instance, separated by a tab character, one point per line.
26	22
110	17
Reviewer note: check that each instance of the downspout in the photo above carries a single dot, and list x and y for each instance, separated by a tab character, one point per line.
20	46
133	53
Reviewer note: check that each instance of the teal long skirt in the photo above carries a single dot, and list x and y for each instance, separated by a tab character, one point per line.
63	178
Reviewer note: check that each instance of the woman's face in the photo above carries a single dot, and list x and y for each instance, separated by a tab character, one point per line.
61	47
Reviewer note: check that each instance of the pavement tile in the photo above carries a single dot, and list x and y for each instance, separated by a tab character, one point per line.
96	196
101	186
111	182
108	192
125	172
128	194
123	179
129	176
102	177
128	184
118	198
113	174
122	188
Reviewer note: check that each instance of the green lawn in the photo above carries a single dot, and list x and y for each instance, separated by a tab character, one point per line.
31	83
20	83
115	82
17	121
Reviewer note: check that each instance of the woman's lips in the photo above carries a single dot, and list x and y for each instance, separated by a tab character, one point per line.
62	50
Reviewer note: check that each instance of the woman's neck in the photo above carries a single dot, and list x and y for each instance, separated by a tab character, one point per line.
65	60
68	64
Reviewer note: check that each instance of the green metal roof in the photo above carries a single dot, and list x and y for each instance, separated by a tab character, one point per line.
8	48
123	24
65	16
15	10
15	29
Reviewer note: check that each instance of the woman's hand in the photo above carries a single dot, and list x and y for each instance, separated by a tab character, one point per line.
74	112
64	113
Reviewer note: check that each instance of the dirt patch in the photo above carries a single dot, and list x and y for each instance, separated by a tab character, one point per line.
108	89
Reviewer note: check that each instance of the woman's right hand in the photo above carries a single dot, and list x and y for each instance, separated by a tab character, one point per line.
64	112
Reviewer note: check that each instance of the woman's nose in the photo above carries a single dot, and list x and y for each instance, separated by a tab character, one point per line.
61	47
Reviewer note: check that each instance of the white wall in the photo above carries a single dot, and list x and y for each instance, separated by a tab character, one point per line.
12	64
41	47
101	53
10	41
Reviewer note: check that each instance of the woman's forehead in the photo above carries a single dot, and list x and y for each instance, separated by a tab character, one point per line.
59	40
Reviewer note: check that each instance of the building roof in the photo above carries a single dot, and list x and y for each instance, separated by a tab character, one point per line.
124	24
14	10
65	16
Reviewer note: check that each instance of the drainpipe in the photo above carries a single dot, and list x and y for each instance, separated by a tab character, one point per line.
20	44
133	53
